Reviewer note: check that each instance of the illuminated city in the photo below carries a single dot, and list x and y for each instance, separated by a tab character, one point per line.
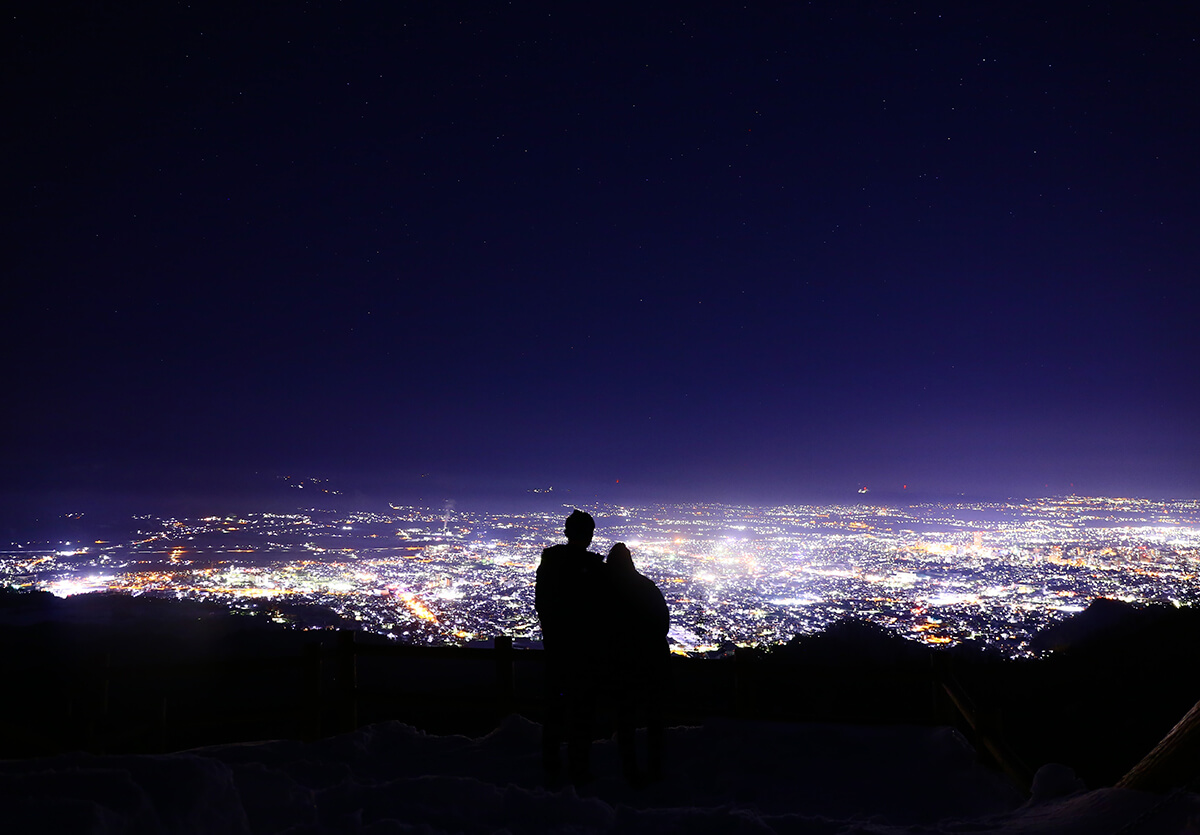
987	574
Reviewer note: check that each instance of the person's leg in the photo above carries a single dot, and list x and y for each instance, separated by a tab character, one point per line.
655	733
582	709
553	720
627	737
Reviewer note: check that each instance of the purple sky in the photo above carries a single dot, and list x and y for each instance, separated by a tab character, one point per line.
709	251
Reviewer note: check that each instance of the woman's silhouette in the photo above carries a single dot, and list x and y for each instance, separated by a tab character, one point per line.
639	670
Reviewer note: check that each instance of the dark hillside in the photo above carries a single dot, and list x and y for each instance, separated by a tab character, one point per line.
110	673
1118	680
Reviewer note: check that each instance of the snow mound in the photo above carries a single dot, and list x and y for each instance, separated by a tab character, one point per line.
723	777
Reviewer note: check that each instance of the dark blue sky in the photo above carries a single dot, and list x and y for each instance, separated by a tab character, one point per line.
710	251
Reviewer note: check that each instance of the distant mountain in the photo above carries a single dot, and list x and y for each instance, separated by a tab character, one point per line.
1109	626
854	642
1103	618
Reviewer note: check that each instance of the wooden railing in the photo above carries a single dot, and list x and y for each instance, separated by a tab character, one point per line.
106	702
345	681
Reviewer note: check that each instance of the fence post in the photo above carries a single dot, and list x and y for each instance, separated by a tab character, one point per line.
97	716
316	705
505	678
162	724
983	728
347	680
938	665
743	686
1172	762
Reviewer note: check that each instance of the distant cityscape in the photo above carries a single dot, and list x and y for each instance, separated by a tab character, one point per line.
990	574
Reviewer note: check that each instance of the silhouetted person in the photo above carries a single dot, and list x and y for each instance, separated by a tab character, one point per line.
568	599
639	667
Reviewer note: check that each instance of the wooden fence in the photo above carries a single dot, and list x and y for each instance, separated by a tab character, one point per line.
337	684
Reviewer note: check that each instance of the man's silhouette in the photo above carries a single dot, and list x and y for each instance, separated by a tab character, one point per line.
639	668
568	599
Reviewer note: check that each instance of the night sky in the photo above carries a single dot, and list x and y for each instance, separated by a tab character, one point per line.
763	251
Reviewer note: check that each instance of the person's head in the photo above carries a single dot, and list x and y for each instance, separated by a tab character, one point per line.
579	528
619	558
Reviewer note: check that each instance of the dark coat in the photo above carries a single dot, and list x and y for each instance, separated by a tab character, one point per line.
568	598
641	621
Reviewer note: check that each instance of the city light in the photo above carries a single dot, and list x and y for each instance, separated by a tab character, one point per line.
992	574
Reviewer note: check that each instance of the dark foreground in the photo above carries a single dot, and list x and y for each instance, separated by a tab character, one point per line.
116	675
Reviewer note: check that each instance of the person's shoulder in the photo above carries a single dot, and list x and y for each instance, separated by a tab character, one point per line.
555	551
591	565
649	587
551	560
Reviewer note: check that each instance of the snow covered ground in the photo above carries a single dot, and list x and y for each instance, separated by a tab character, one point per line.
723	777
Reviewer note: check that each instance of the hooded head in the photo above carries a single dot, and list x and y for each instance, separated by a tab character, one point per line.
619	558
